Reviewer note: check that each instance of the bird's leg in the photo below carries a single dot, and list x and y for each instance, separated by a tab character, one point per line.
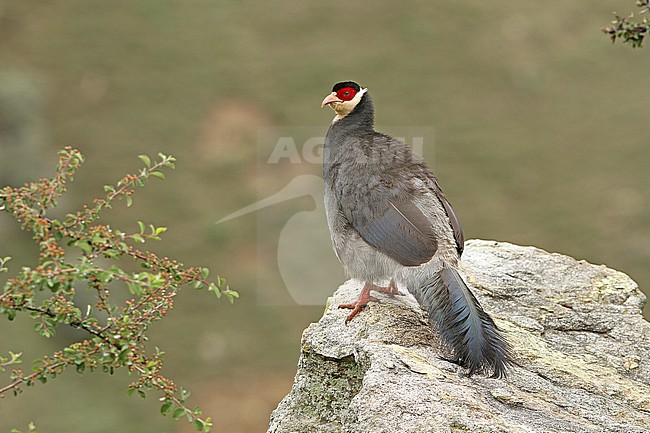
365	297
391	289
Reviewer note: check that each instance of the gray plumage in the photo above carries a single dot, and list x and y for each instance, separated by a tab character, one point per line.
389	220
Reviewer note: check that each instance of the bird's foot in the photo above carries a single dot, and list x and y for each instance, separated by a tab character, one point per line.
391	289
365	297
361	302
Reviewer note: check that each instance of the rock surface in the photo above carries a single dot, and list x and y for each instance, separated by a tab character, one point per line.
581	346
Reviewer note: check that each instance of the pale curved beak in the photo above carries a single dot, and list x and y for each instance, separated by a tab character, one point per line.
330	99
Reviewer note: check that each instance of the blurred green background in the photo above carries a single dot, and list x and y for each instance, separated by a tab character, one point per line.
541	138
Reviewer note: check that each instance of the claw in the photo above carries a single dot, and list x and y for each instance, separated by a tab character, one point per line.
365	297
358	305
391	289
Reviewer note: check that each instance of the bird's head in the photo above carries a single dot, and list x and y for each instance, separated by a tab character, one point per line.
344	97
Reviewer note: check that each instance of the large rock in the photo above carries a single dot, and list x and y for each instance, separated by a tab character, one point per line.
581	346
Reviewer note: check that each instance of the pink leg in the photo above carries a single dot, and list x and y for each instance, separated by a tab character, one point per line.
365	297
391	289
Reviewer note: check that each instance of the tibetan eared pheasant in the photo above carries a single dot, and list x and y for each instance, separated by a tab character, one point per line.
390	222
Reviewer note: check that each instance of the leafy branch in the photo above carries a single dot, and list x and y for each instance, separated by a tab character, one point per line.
117	339
628	30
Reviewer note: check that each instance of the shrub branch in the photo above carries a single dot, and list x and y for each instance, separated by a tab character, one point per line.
627	29
117	339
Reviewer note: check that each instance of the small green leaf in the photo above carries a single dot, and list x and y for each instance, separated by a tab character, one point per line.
145	159
208	424
135	289
123	355
141	224
185	394
178	413
231	296
198	425
84	246
129	201
160	230
214	289
164	409
158	174
2	263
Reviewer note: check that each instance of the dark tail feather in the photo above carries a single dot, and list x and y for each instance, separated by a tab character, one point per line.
462	323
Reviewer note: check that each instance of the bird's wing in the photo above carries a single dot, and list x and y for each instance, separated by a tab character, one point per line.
453	219
397	228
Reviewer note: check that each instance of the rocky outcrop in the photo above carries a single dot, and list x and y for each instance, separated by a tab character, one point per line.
581	346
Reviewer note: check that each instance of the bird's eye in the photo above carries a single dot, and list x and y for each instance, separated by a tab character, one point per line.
346	93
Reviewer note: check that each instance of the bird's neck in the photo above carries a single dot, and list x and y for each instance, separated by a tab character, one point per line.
361	118
346	131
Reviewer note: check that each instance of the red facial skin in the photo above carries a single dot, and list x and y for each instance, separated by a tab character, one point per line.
346	93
